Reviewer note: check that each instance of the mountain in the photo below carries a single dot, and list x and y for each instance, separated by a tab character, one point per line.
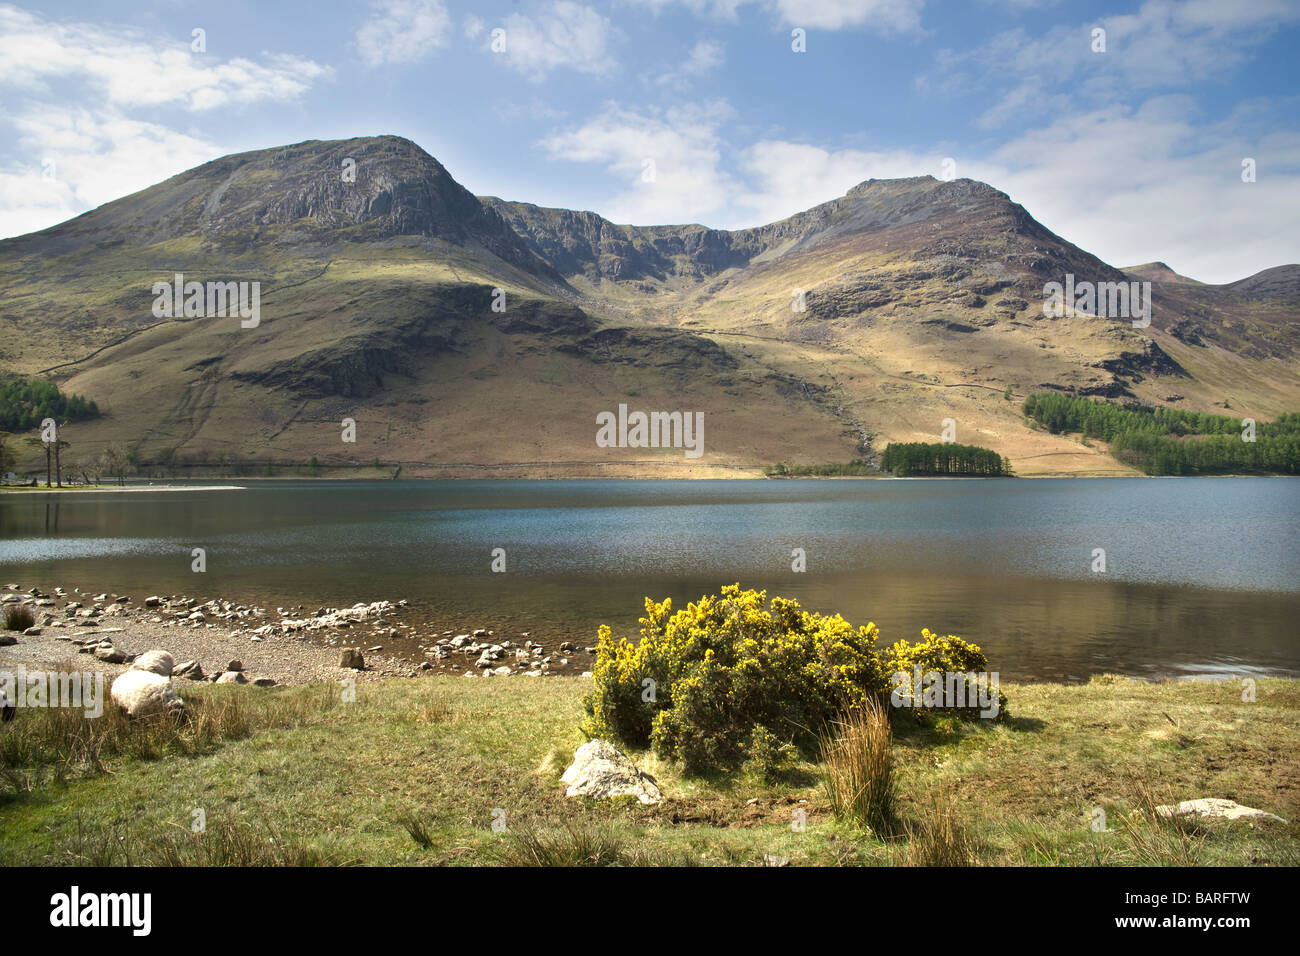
867	319
1157	272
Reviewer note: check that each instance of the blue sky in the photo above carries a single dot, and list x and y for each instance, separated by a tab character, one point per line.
1134	152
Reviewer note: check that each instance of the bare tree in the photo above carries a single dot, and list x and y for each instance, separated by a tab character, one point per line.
35	440
7	457
114	461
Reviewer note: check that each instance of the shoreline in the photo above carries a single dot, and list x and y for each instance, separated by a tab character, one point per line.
122	489
136	488
293	645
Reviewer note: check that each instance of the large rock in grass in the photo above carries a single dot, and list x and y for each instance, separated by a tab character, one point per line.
1216	808
156	662
600	770
140	693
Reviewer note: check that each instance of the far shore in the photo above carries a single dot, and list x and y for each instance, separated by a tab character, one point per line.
82	489
500	473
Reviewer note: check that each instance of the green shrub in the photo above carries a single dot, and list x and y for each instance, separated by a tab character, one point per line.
766	756
701	680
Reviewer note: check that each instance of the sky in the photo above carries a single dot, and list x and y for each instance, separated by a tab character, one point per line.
1129	142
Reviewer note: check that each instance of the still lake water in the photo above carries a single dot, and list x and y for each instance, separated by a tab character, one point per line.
1202	575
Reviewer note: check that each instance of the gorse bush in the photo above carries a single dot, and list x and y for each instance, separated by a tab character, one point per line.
722	681
700	680
766	755
957	662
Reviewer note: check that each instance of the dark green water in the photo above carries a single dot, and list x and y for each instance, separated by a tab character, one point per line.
1202	578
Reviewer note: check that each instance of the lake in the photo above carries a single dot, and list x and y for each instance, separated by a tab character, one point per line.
1202	576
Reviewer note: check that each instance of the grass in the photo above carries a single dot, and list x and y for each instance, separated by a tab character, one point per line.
230	843
54	745
857	753
415	772
18	618
937	838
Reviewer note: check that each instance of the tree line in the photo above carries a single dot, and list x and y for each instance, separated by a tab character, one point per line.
857	467
1171	441
950	458
25	403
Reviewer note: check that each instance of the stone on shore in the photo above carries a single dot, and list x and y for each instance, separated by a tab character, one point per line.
111	655
189	670
600	770
156	661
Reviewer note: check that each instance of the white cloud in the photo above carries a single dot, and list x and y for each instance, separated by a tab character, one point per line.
98	150
1129	185
93	158
883	16
1139	185
566	34
719	9
131	69
1163	45
786	178
703	58
670	162
402	31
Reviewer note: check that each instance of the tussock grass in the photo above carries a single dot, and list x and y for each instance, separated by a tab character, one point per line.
415	825
576	842
18	617
1156	840
232	843
937	838
857	752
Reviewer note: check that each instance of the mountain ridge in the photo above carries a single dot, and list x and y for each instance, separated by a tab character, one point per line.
865	319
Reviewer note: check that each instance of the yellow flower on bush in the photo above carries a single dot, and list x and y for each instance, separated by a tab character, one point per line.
702	679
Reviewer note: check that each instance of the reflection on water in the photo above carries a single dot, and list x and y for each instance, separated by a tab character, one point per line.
1203	576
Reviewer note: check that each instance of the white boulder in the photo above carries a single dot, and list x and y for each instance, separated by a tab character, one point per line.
144	692
156	662
600	770
1216	808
